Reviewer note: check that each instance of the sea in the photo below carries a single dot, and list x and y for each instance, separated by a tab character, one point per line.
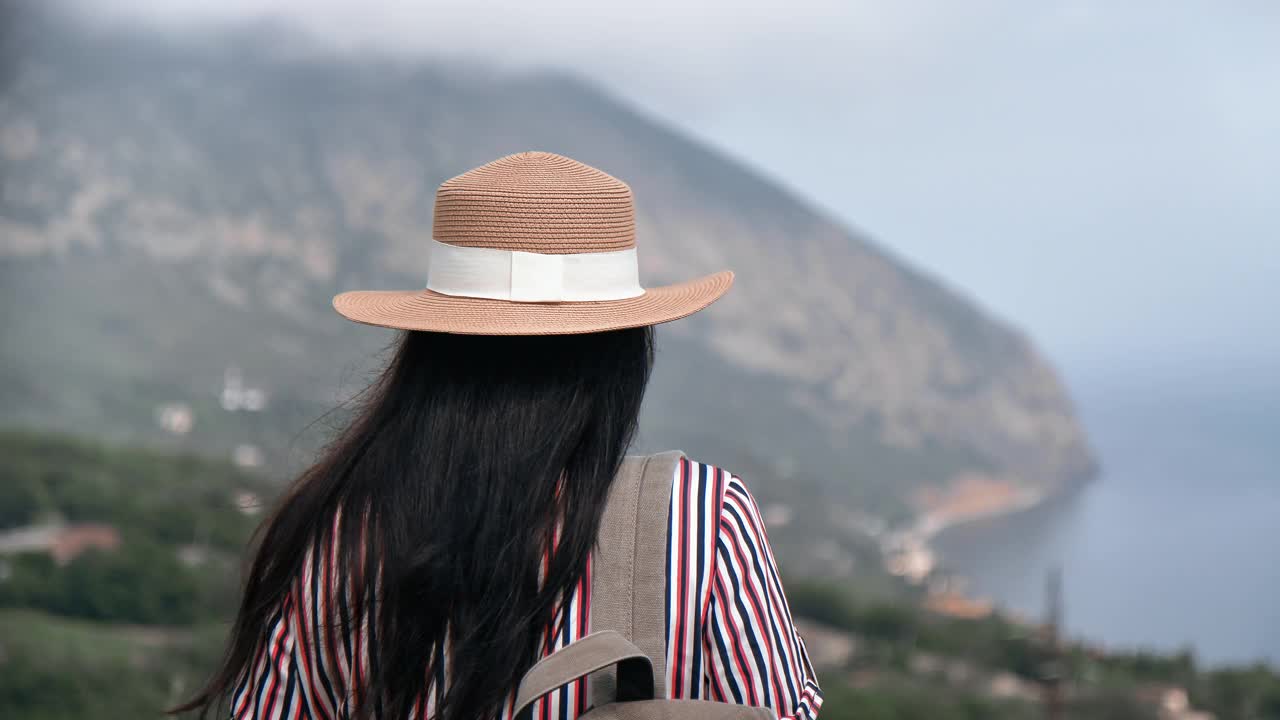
1175	545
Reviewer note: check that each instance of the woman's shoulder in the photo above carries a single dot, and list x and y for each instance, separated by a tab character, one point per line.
707	485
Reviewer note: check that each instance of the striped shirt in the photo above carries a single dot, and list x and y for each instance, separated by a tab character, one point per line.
730	636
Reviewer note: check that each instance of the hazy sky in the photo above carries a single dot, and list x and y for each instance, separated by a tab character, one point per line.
1104	174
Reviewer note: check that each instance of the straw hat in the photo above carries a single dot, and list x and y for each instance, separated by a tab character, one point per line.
532	244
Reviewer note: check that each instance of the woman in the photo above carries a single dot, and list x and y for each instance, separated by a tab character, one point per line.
443	543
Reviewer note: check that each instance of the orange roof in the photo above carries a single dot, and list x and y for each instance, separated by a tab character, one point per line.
959	606
77	538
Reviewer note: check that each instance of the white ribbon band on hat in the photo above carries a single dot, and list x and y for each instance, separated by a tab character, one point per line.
495	274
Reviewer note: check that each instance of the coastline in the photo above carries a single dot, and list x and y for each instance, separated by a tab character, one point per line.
931	524
910	553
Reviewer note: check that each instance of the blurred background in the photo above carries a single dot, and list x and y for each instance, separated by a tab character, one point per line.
999	364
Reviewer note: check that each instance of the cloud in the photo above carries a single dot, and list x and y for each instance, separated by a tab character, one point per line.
714	46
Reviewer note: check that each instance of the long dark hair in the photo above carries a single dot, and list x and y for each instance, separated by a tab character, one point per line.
466	456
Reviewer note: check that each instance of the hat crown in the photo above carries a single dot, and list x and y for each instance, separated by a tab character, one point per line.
536	202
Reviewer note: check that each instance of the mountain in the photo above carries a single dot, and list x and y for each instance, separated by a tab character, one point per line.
171	208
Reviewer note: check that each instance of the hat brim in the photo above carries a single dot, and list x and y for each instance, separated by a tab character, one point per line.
435	312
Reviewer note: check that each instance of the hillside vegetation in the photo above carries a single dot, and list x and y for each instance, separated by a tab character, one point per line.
115	633
121	633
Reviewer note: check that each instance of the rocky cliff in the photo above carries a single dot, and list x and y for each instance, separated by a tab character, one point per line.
168	210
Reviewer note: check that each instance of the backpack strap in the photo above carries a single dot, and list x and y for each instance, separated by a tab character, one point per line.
629	568
598	650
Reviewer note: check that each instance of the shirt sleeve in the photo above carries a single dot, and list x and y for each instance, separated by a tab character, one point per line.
756	655
299	670
271	686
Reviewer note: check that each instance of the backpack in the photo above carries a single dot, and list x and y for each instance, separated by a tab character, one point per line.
624	657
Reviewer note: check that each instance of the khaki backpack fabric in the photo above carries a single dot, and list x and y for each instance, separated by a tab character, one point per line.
625	655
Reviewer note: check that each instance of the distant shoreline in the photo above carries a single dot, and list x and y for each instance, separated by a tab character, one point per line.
911	554
931	524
